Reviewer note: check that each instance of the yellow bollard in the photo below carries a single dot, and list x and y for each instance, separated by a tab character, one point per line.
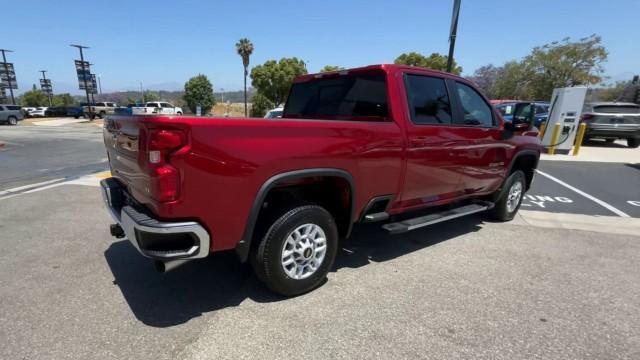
581	130
554	138
543	126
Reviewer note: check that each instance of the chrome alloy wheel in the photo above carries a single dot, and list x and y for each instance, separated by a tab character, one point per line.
304	251
515	194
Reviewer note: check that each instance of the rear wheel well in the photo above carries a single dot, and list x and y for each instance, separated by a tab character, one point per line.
527	163
333	193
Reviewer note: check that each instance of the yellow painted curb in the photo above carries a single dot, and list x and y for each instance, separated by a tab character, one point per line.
103	175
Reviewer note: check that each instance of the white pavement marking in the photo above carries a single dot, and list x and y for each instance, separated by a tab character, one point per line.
58	122
590	197
28	187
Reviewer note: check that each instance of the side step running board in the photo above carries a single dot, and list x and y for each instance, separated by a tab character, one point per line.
418	222
376	217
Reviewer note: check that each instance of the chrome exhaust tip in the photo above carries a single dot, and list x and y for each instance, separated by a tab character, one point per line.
166	266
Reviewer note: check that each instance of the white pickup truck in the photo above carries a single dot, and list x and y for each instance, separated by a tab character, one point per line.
156	108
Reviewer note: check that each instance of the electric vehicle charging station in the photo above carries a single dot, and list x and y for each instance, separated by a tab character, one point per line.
566	109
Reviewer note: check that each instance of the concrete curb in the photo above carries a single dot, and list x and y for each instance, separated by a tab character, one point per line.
594	223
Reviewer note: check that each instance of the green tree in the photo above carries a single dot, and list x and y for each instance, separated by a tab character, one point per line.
565	63
260	105
244	47
151	96
273	79
485	78
513	82
329	68
63	100
34	98
199	91
434	61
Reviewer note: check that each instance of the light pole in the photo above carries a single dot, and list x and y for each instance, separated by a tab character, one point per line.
6	71
99	84
141	93
44	77
453	33
222	93
84	76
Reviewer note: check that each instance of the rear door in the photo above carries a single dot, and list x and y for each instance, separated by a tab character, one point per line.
433	162
483	153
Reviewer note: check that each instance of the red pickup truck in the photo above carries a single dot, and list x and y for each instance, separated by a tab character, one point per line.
403	146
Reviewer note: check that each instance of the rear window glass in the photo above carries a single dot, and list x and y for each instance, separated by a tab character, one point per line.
617	109
358	97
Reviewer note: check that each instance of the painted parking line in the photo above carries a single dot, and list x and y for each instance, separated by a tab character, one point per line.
86	180
584	194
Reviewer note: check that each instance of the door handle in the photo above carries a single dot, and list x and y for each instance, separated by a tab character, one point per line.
418	141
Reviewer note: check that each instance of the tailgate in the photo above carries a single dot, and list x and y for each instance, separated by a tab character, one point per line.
121	138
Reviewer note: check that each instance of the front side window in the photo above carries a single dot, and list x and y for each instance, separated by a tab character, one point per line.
166	105
428	100
152	105
476	111
356	97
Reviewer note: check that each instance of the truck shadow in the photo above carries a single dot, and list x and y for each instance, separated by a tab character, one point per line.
221	281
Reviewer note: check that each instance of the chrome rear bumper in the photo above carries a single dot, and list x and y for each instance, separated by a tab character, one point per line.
153	238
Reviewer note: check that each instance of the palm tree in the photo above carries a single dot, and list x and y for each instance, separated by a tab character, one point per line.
245	48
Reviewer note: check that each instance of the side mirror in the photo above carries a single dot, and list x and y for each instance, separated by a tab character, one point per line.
524	116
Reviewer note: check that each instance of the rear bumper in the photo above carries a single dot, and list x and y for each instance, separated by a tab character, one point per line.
611	131
153	238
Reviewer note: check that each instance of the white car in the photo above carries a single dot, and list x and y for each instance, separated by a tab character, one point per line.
157	108
38	112
274	113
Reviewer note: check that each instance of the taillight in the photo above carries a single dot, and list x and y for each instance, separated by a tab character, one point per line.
164	178
587	117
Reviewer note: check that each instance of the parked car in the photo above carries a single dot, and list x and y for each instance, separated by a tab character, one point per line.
56	111
100	109
10	114
74	111
274	113
39	112
282	192
612	121
27	111
541	115
157	108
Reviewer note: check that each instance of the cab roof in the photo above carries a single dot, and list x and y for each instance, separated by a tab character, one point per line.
387	68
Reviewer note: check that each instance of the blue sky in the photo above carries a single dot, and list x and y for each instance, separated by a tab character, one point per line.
163	43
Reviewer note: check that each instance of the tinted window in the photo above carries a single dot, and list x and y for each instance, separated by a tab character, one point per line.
166	105
620	109
153	105
428	100
348	97
12	107
475	110
541	109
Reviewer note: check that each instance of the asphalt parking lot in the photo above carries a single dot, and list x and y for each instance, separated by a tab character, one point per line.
466	289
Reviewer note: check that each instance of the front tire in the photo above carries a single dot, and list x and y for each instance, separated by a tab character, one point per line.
512	193
297	251
633	143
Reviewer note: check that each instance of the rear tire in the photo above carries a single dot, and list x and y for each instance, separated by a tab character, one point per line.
12	120
512	193
297	251
633	143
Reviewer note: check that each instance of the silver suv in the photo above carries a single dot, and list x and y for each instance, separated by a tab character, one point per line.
10	114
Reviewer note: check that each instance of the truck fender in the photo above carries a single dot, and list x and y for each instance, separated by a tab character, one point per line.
244	245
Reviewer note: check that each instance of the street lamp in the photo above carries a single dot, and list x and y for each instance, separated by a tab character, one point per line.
84	75
6	71
49	91
453	33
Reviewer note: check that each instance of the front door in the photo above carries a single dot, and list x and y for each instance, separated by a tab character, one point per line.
485	152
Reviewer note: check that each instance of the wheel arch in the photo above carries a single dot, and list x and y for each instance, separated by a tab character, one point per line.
527	161
244	245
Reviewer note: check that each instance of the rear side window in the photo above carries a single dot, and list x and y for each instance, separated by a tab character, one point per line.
357	97
476	111
428	100
153	105
617	109
12	107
